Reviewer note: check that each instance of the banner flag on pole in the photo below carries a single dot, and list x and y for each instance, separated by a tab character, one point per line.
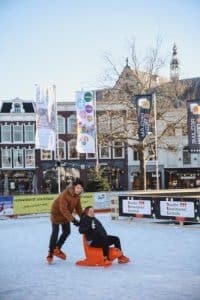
45	137
193	113
143	107
86	127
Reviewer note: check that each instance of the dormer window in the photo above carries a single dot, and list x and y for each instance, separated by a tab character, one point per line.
17	107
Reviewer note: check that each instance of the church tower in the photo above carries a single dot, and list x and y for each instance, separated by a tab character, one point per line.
174	65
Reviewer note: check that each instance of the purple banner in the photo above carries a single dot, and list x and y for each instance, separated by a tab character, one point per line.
143	106
193	108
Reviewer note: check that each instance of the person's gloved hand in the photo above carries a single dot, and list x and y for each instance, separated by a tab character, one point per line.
76	222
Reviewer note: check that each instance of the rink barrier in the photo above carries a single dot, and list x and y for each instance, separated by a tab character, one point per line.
180	209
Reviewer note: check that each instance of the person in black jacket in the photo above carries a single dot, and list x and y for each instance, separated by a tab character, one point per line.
97	236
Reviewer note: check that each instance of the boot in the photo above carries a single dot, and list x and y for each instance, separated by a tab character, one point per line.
57	252
50	257
123	259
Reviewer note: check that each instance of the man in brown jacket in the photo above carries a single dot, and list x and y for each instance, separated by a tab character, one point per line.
61	214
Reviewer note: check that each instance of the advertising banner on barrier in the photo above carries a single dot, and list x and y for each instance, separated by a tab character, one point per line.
135	206
177	208
6	205
101	200
35	204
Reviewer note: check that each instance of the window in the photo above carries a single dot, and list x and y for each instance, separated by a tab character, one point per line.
29	158
186	157
29	133
17	133
105	152
6	158
18	158
135	155
61	124
62	150
118	150
46	155
71	124
5	133
17	107
103	123
72	153
90	155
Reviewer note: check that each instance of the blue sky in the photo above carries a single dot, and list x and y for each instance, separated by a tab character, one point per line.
63	42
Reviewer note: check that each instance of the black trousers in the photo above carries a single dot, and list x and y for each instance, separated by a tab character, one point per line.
105	243
54	240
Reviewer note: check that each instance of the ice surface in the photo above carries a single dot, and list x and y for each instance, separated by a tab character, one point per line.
165	263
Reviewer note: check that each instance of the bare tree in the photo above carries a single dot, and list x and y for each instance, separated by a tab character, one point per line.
118	118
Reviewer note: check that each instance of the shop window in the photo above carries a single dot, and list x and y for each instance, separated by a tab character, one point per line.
62	150
18	158
29	133
17	133
5	133
46	155
186	157
118	150
71	124
29	158
6	158
105	152
61	125
72	153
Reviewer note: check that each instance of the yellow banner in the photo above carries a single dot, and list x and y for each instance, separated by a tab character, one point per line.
33	204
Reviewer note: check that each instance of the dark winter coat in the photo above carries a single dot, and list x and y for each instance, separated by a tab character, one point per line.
64	205
92	228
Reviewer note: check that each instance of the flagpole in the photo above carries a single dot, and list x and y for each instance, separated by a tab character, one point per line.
156	142
56	152
96	132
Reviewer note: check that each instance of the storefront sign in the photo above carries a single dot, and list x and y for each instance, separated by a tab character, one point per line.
177	209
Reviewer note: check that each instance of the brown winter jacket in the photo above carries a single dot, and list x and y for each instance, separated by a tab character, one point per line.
64	205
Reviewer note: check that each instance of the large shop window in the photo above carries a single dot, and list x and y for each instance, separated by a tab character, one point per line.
6	158
29	158
105	152
29	133
17	133
72	153
118	150
71	124
46	155
61	125
5	133
18	158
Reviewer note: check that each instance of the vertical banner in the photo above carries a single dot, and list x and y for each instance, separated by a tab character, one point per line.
143	107
85	110
193	109
45	137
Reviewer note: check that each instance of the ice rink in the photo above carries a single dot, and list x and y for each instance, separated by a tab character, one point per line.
165	263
